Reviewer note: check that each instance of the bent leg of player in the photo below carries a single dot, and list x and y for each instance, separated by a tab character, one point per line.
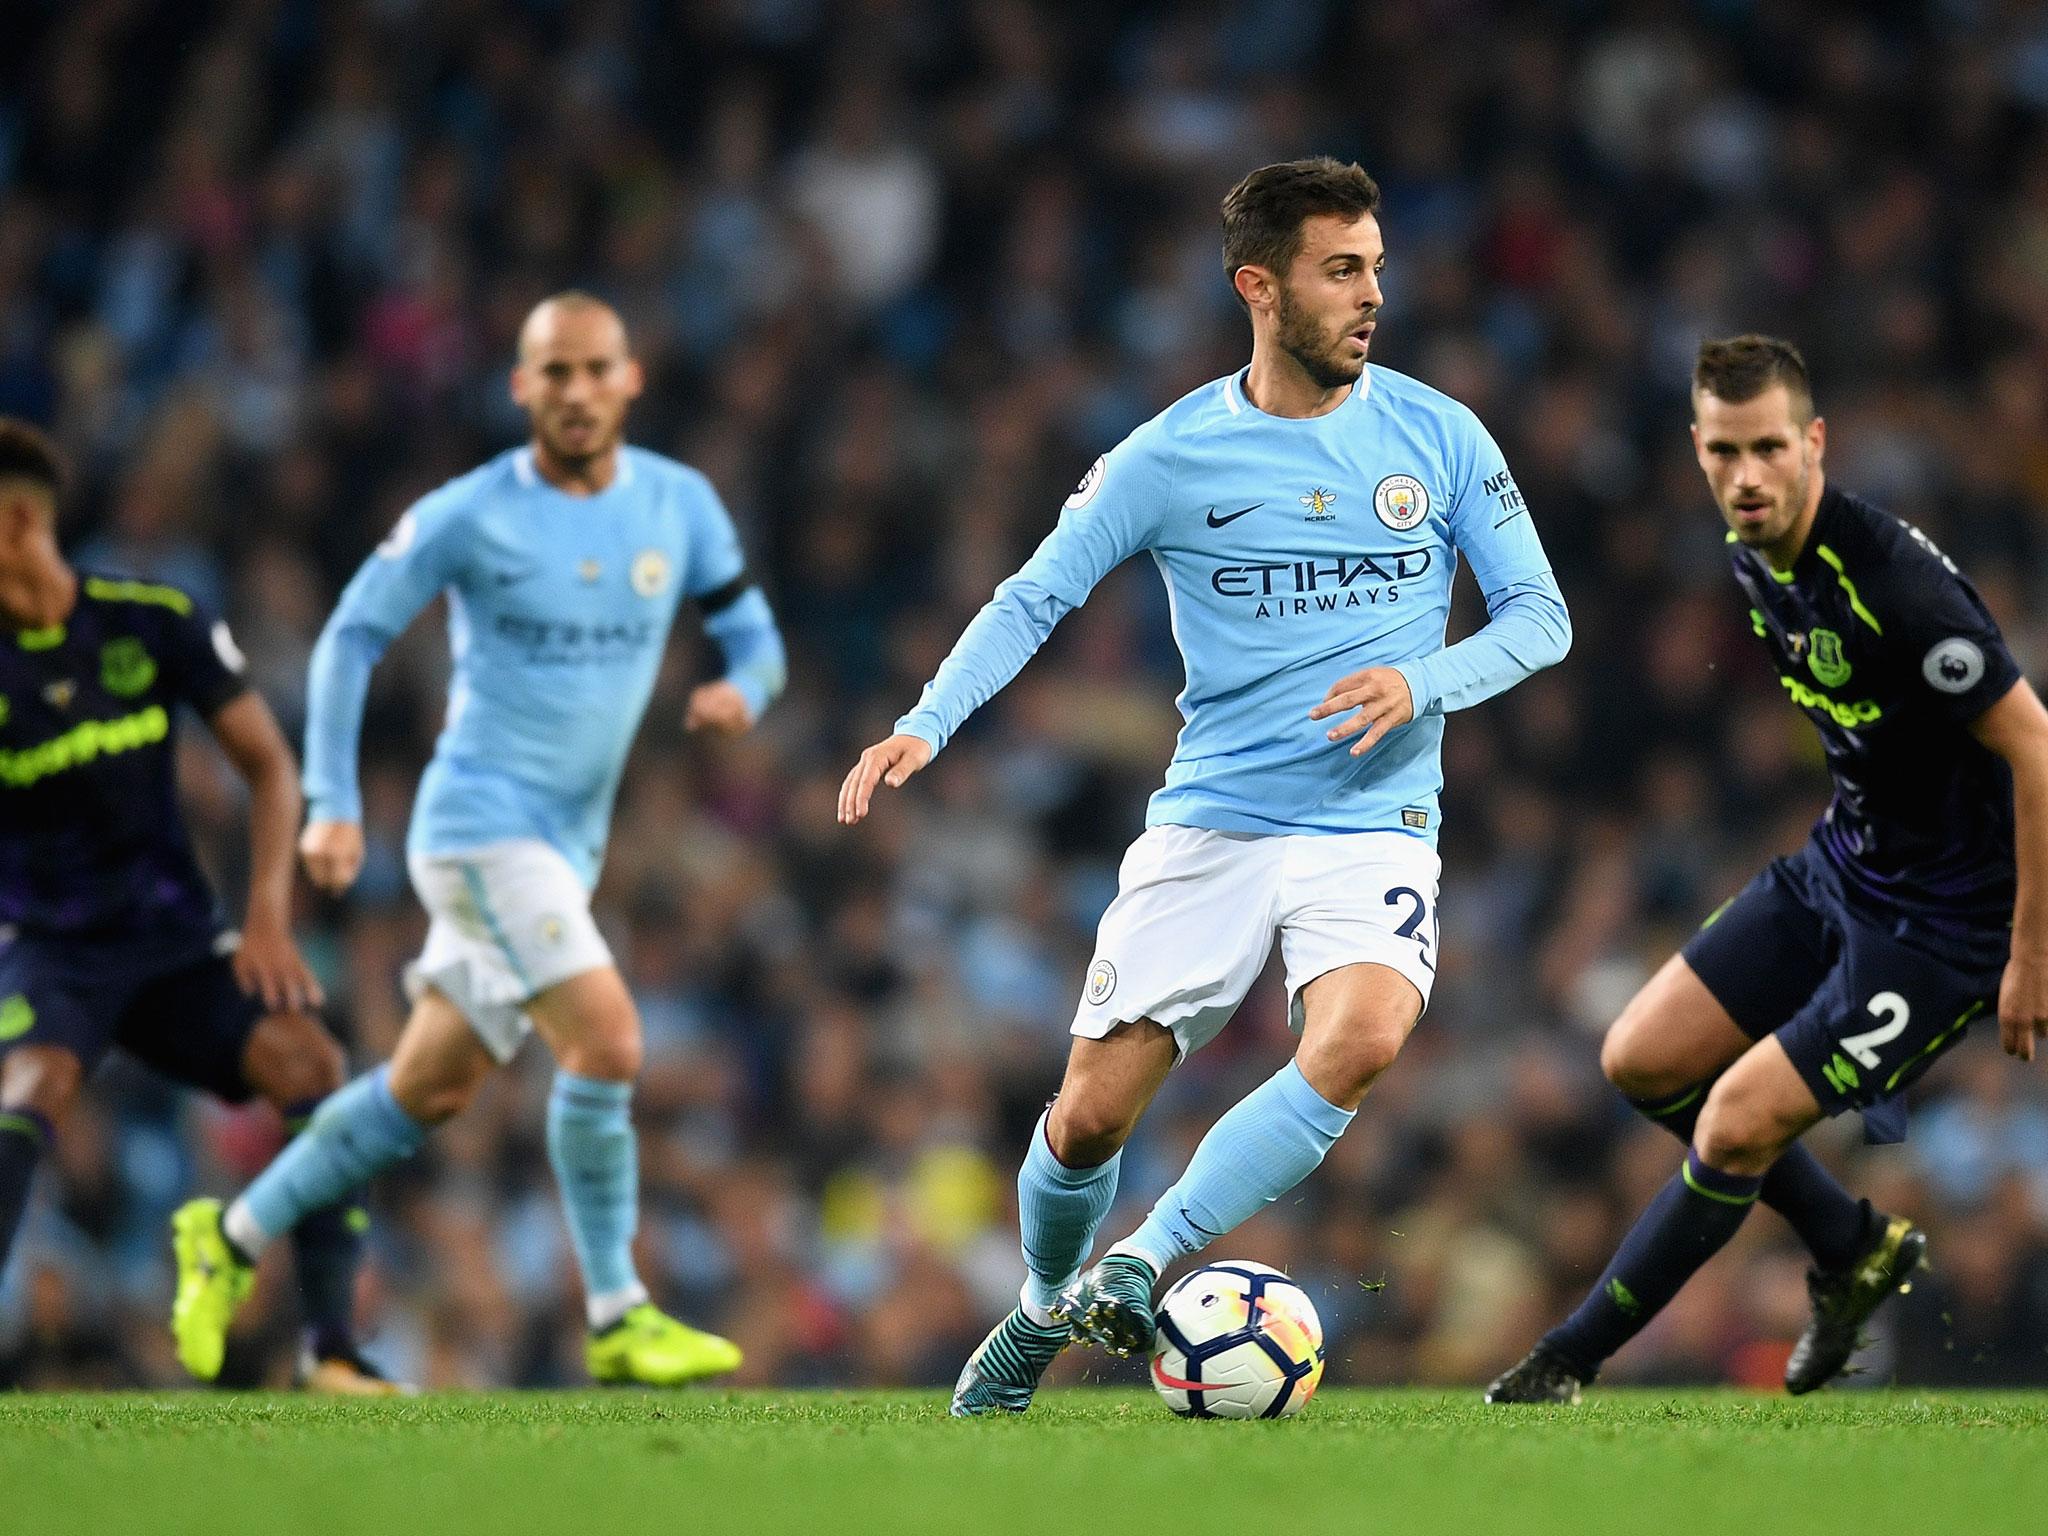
368	1125
1278	1134
1758	1107
1750	967
225	1044
57	1006
1353	913
295	1064
222	1042
513	947
1188	933
1895	1010
1062	1197
36	1085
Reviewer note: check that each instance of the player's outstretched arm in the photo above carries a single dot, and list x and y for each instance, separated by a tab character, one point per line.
2016	728
888	762
268	965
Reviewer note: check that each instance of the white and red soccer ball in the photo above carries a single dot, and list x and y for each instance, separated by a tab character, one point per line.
1237	1340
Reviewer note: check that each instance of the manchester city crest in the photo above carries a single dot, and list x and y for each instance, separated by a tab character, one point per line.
650	572
1101	981
1401	501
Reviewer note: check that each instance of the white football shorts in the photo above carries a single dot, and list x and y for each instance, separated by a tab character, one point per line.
1197	910
506	922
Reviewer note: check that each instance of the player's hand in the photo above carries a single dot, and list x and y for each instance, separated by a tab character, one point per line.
2023	1006
268	965
718	707
886	762
1380	697
332	852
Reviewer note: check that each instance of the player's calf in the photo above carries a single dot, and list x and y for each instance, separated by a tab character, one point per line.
37	1085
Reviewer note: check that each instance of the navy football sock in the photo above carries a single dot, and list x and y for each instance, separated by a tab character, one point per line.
1689	1222
23	1135
327	1250
1834	1224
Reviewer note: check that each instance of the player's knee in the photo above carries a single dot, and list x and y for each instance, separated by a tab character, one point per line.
1733	1136
1342	1066
608	1055
433	1100
291	1060
1631	1061
42	1079
1622	1060
1086	1131
433	1087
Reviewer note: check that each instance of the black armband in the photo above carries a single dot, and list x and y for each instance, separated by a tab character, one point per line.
724	597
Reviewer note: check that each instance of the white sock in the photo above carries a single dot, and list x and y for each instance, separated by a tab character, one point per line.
241	1228
607	1307
1033	1310
1135	1249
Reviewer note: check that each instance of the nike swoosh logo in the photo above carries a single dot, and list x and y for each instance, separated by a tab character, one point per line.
1218	522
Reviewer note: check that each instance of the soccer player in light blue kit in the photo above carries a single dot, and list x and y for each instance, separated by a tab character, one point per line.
1306	514
564	563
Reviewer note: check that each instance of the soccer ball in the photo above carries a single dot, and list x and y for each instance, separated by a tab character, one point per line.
1237	1340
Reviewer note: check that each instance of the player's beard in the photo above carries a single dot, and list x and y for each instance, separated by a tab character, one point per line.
1301	336
577	460
1788	510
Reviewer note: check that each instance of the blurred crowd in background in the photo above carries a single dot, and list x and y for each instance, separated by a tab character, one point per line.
899	270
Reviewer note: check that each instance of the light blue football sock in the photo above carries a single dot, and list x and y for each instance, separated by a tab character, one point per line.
1058	1210
357	1132
597	1166
1267	1143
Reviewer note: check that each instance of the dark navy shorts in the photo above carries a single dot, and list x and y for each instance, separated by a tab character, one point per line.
1862	1005
170	1002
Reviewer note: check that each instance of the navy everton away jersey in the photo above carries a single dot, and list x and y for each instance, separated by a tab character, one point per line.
1890	652
91	840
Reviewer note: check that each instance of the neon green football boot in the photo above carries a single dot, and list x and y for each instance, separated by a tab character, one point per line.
650	1347
213	1282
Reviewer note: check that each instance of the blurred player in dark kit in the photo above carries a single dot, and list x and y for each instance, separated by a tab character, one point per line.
109	934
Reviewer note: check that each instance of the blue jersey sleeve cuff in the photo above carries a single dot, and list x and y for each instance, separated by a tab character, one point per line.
333	808
758	691
920	725
1420	699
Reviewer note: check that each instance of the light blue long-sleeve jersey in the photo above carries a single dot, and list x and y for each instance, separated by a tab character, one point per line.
559	608
1294	551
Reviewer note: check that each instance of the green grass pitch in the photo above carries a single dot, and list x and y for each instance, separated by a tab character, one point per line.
1411	1463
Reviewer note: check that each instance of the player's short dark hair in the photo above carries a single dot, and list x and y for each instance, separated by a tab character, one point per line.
1263	214
27	453
1739	368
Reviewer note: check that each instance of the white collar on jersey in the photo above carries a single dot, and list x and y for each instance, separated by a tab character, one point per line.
527	475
